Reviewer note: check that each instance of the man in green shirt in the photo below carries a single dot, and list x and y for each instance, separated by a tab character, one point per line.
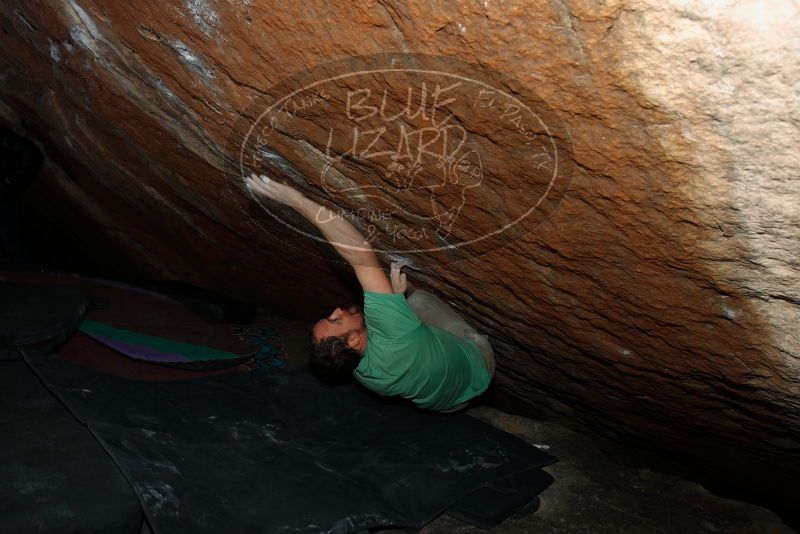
417	348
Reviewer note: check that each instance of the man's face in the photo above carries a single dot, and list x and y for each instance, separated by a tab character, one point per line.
338	323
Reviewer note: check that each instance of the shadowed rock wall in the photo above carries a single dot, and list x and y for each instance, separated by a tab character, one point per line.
658	300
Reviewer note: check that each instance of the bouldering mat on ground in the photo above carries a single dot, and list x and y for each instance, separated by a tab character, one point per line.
54	476
143	317
83	350
41	315
276	451
152	348
496	501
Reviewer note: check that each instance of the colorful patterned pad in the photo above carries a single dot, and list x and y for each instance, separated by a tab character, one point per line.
265	340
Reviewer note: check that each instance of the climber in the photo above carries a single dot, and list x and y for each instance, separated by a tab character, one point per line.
419	348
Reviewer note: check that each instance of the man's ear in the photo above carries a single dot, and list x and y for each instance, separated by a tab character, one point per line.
353	338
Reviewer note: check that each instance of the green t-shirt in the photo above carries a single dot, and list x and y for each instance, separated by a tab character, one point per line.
433	368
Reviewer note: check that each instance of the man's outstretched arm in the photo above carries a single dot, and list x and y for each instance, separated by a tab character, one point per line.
345	238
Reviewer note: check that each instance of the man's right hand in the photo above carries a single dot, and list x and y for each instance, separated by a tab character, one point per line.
348	241
267	187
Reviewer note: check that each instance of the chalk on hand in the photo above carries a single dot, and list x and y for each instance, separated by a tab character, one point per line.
265	179
404	261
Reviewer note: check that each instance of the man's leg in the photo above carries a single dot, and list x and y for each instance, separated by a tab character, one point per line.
432	310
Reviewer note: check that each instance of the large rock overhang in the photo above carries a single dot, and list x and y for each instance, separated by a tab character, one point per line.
652	294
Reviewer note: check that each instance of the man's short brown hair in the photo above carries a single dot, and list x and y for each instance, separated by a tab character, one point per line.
333	360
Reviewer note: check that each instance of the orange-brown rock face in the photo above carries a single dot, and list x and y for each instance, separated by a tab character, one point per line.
609	191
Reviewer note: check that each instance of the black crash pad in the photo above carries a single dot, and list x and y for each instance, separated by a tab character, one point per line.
54	476
38	315
491	504
276	451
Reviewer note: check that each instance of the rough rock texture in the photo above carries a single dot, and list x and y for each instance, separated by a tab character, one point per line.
659	301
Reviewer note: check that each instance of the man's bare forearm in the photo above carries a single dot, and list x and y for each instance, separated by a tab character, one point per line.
348	241
344	237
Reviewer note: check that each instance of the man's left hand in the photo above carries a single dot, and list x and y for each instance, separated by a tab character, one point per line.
398	278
